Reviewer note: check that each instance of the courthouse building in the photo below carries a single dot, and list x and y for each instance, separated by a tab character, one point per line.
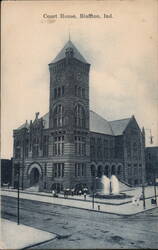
71	145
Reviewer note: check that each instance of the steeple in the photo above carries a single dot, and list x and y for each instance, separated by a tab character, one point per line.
69	47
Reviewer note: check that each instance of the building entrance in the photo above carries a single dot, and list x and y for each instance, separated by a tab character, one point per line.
34	176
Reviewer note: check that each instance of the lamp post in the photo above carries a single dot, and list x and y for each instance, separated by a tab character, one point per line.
155	187
94	190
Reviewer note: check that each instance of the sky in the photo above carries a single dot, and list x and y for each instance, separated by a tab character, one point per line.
122	51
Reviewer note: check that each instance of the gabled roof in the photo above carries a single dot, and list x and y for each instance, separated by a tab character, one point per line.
61	54
25	125
99	125
119	126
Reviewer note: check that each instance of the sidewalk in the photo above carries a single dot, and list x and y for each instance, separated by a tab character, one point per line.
13	236
123	209
134	191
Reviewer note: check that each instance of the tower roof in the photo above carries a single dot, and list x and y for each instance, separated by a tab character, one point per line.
61	54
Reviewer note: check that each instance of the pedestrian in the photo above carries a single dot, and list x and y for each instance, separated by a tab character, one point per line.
53	193
64	194
80	192
84	196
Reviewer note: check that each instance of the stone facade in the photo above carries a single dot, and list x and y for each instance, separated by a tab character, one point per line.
71	145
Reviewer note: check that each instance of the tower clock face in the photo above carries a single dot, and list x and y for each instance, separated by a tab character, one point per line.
63	78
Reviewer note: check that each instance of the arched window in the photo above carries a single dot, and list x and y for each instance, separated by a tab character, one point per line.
119	170
106	170
80	116
58	116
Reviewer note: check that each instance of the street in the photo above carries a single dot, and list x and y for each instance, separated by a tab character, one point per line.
76	228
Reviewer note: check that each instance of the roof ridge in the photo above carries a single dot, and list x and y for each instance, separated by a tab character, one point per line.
121	119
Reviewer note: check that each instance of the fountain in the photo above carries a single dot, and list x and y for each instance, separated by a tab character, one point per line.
106	184
110	188
115	185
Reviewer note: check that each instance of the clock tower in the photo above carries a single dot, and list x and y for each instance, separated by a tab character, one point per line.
69	117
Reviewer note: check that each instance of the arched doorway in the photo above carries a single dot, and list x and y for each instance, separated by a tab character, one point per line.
106	170
113	170
119	170
34	176
99	171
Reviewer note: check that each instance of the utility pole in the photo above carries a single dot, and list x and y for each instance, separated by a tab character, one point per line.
143	188
155	183
18	208
23	158
143	164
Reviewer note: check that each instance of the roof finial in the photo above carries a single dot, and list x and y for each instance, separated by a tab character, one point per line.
69	36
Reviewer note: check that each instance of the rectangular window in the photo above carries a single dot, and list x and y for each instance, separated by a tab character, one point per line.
79	149
62	148
45	170
45	145
59	169
62	169
82	169
58	148
75	169
63	90
55	148
59	92
26	151
59	145
55	170
85	172
55	93
78	169
52	172
75	90
75	147
140	171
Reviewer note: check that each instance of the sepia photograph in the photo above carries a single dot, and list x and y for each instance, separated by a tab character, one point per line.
79	124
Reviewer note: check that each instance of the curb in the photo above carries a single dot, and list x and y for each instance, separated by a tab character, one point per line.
39	243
